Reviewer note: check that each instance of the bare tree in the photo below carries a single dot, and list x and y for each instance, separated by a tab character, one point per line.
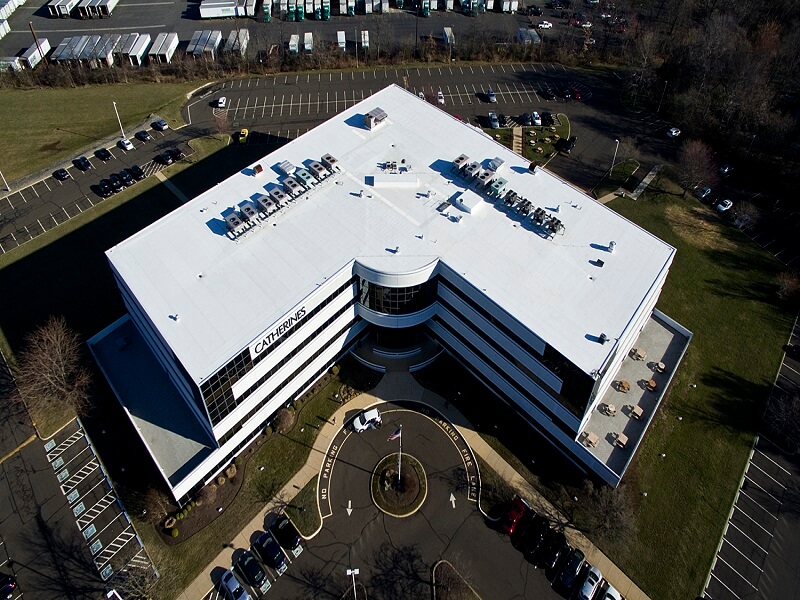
51	371
788	286
696	164
136	583
612	514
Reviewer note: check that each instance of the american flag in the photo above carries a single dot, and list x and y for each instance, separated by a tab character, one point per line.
395	435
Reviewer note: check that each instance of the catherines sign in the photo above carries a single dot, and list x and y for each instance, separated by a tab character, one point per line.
272	336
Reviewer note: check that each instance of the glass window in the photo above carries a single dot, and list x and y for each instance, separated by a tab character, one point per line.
396	301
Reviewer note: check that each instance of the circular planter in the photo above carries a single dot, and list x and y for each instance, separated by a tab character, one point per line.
399	498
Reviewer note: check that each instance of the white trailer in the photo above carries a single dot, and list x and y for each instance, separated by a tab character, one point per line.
376	6
342	7
341	40
514	6
36	53
75	55
106	8
139	51
351	7
89	52
294	43
13	63
60	48
368	7
250	7
506	6
64	8
449	4
104	56
201	43
449	38
365	40
5	29
309	6
237	41
212	45
218	9
193	42
308	43
164	47
384	6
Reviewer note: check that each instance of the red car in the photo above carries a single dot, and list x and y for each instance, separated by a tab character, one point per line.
515	512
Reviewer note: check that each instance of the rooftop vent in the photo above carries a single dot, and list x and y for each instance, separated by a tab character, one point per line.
374	118
292	187
496	164
331	163
603	338
232	220
612	246
317	170
287	168
278	197
459	162
265	204
248	210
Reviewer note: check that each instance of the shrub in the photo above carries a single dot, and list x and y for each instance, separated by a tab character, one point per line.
284	419
221	480
335	370
230	472
208	494
179	515
174	533
237	461
188	508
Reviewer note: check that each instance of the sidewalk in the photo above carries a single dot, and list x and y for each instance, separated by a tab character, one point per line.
403	386
634	195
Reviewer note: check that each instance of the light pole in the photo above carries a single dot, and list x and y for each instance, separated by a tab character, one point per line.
664	91
352	573
116	112
614	161
355	29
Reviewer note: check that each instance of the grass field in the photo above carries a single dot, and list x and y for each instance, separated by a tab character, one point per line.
613	180
53	124
303	509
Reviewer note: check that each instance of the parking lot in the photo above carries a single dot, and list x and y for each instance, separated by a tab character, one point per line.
759	554
39	207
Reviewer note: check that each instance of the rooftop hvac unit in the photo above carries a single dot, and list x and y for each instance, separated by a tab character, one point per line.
485	178
292	187
374	118
305	178
472	170
266	205
459	162
317	170
331	163
232	220
496	164
248	210
278	197
287	168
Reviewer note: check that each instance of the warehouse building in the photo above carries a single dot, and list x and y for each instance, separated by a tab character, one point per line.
391	229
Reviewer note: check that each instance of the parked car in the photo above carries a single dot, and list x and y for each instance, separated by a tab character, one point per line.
724	205
143	136
586	24
421	95
491	96
548	94
137	172
503	120
702	192
367	419
177	154
568	574
165	158
610	593
269	551
514	513
526	120
287	535
252	572
537	120
116	182
61	174
547	119
231	587
125	144
222	102
8	586
82	163
673	132
590	584
534	536
553	547
160	125
576	94
535	11
104	188
545	25
127	177
566	93
570	145
440	97
103	154
494	122
725	170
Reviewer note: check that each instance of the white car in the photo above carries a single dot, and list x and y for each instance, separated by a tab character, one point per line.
586	25
536	119
222	102
611	593
440	97
231	587
724	205
421	95
367	419
590	584
125	144
673	132
545	25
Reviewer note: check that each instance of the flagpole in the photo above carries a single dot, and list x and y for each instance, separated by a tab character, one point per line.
400	458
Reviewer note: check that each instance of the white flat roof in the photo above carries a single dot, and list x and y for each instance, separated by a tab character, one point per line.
226	293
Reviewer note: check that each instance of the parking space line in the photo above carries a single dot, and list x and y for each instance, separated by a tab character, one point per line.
755	543
746	476
40	225
744	555
44	181
725	586
759	525
783	487
757	504
770	459
9	203
739	574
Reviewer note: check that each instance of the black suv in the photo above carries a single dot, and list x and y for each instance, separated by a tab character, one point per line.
116	182
82	163
165	158
61	174
104	187
533	536
568	575
548	94
547	119
569	145
286	534
127	178
136	171
177	154
143	136
525	119
103	154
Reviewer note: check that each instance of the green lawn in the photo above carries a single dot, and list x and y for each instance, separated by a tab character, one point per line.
613	180
55	124
541	134
722	287
303	509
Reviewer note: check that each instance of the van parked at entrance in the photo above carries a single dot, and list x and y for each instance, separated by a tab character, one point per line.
367	419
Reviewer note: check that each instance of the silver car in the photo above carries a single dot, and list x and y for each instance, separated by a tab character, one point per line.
232	588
